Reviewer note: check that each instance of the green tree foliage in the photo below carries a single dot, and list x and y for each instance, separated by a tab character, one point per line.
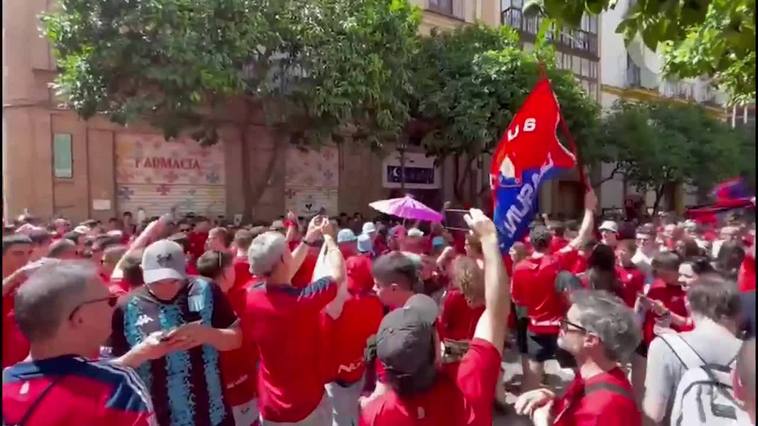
659	143
320	70
321	66
471	81
714	38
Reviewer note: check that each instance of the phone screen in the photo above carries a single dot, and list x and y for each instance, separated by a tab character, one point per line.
454	219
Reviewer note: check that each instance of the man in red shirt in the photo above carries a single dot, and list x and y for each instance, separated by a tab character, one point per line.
558	241
242	240
534	288
746	275
631	278
408	347
599	331
664	304
198	237
17	249
61	310
282	322
238	366
349	333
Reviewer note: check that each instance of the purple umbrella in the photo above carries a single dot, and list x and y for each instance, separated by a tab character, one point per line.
407	208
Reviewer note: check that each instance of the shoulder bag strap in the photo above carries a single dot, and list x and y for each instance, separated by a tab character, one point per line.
610	387
683	351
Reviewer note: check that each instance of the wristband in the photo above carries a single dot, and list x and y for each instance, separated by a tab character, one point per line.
310	244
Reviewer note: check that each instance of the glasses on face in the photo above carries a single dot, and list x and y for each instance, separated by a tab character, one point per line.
184	229
112	300
565	324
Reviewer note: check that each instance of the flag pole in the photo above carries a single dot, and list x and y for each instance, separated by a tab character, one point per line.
567	134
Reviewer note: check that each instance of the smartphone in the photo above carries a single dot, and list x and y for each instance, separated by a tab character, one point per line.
454	219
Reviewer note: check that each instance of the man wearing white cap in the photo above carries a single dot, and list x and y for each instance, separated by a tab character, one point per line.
609	232
346	240
369	229
196	319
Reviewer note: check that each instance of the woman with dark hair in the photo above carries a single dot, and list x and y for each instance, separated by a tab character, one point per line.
730	259
687	247
601	270
692	268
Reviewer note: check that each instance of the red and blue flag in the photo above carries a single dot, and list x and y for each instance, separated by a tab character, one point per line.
528	154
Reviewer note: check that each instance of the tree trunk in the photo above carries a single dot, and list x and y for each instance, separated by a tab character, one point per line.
460	179
659	190
247	184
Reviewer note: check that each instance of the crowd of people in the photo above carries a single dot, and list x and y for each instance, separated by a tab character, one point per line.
340	321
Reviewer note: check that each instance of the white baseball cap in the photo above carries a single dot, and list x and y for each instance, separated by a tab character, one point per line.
609	226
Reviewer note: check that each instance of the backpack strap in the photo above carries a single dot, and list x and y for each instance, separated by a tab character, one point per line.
683	351
610	387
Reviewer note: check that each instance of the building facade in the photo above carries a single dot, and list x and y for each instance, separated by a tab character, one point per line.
633	72
55	163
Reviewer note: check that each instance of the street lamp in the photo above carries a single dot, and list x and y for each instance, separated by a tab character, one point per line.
401	147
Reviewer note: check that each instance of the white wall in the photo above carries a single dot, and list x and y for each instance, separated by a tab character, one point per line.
612	50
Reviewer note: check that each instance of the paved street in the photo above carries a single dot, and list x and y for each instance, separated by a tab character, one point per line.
556	377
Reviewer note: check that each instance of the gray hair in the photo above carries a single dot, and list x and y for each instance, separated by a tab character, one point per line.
46	298
266	252
60	248
610	319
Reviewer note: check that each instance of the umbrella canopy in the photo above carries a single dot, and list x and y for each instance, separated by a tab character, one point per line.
407	208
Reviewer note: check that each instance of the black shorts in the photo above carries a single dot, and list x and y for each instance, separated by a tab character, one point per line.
521	335
543	347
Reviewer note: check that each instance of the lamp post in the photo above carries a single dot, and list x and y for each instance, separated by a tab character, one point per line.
401	147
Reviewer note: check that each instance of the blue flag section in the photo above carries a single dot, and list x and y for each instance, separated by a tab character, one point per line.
528	154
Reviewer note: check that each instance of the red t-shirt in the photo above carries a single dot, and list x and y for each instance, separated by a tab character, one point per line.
580	265
304	275
15	344
557	243
196	242
463	399
533	287
672	297
359	320
283	323
82	393
599	405
746	277
632	282
242	273
239	367
457	319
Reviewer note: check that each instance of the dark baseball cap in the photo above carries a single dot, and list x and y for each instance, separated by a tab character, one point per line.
405	345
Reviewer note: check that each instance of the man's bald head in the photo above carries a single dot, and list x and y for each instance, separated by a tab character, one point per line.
47	298
64	249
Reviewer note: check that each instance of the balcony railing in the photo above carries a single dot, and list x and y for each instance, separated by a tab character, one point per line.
578	40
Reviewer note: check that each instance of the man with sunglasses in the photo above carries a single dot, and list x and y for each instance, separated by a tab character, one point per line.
60	309
196	320
600	331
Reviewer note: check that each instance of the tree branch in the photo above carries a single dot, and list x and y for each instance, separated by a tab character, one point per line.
616	170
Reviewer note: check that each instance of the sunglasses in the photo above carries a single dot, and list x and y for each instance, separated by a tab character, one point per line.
184	229
577	328
112	300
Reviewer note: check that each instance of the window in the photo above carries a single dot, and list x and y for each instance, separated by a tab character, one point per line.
566	61
443	6
62	156
508	4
